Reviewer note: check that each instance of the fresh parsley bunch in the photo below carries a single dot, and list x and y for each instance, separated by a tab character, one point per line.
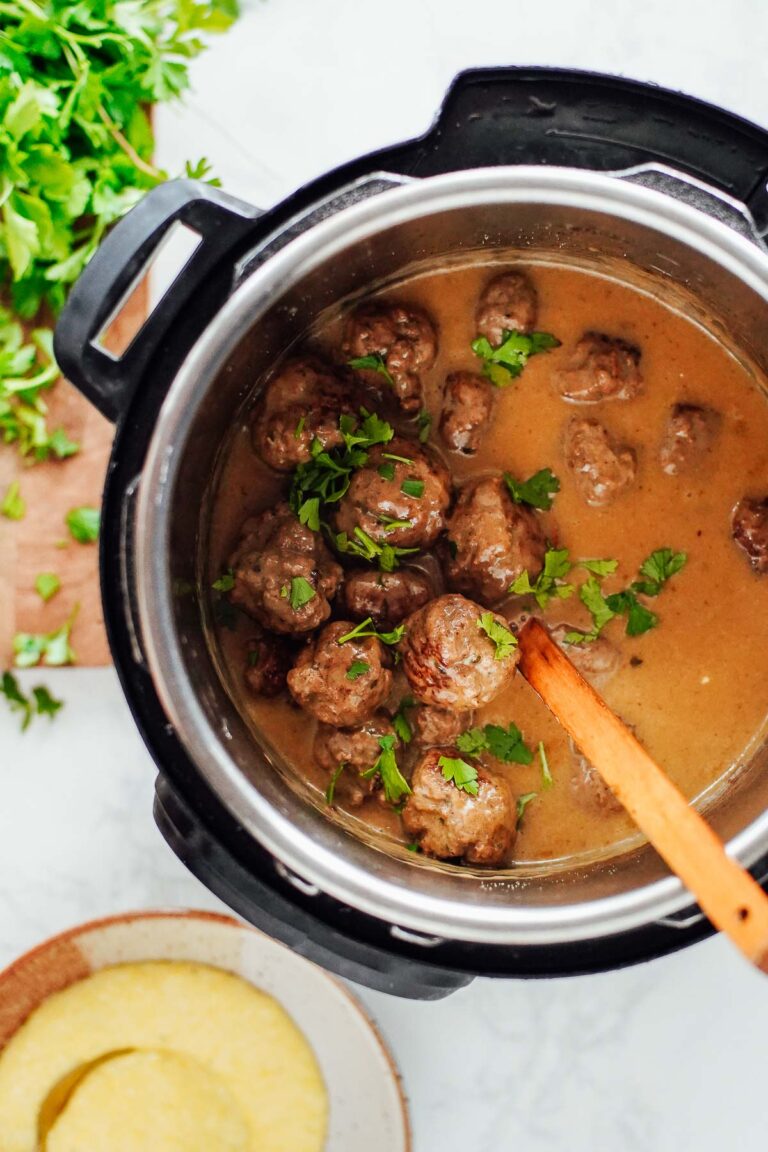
76	84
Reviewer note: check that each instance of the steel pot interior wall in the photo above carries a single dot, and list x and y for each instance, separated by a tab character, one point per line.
266	322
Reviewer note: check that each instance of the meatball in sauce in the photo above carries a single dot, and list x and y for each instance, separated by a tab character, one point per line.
403	337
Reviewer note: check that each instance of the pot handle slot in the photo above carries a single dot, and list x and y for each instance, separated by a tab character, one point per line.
221	222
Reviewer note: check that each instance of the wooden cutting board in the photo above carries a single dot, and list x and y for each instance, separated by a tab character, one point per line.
41	541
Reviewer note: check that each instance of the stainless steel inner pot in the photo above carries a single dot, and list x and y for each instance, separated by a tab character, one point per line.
671	238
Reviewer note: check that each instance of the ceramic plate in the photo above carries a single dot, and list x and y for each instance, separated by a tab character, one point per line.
367	1108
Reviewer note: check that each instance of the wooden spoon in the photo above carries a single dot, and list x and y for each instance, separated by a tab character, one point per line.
733	901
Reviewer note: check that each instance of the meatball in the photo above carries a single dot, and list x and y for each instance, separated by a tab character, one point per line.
601	467
303	402
689	434
438	725
320	682
597	661
588	786
467	406
449	822
377	503
277	563
749	526
491	541
450	660
508	304
601	368
387	597
358	750
269	659
403	336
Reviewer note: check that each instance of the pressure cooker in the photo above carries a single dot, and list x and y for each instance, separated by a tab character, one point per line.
518	159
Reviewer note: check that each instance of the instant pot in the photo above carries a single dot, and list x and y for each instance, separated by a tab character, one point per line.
542	163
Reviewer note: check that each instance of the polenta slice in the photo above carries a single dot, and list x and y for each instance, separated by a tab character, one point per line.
150	1100
243	1037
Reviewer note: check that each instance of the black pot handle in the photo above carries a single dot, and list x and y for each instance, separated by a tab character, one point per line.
573	119
221	221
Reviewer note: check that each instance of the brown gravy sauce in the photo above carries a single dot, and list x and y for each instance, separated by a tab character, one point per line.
694	687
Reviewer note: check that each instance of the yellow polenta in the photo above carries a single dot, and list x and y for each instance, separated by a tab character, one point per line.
150	1100
243	1037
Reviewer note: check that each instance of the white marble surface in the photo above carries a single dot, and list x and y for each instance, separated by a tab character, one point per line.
661	1057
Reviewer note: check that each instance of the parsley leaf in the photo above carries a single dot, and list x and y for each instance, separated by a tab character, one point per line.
400	721
504	364
395	784
357	669
506	744
225	582
13	506
413	488
372	363
41	702
599	567
459	773
639	618
657	569
363	545
538	490
299	593
505	641
330	791
547	779
387	470
83	524
363	629
549	584
425	426
522	803
47	585
53	648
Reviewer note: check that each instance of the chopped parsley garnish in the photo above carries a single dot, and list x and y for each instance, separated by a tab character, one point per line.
357	669
599	567
413	488
538	490
299	593
47	585
253	656
372	363
390	525
504	640
53	648
425	426
459	773
39	703
299	428
550	581
522	803
364	629
547	779
655	571
398	459
365	546
387	470
400	721
325	477
225	582
330	791
506	744
395	784
413	847
83	524
13	506
504	364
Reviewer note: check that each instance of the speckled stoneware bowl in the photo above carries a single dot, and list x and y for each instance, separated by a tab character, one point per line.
367	1107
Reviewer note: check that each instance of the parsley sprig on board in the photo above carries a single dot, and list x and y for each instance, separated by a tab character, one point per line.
76	83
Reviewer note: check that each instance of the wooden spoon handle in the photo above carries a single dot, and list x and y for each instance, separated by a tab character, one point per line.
727	894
